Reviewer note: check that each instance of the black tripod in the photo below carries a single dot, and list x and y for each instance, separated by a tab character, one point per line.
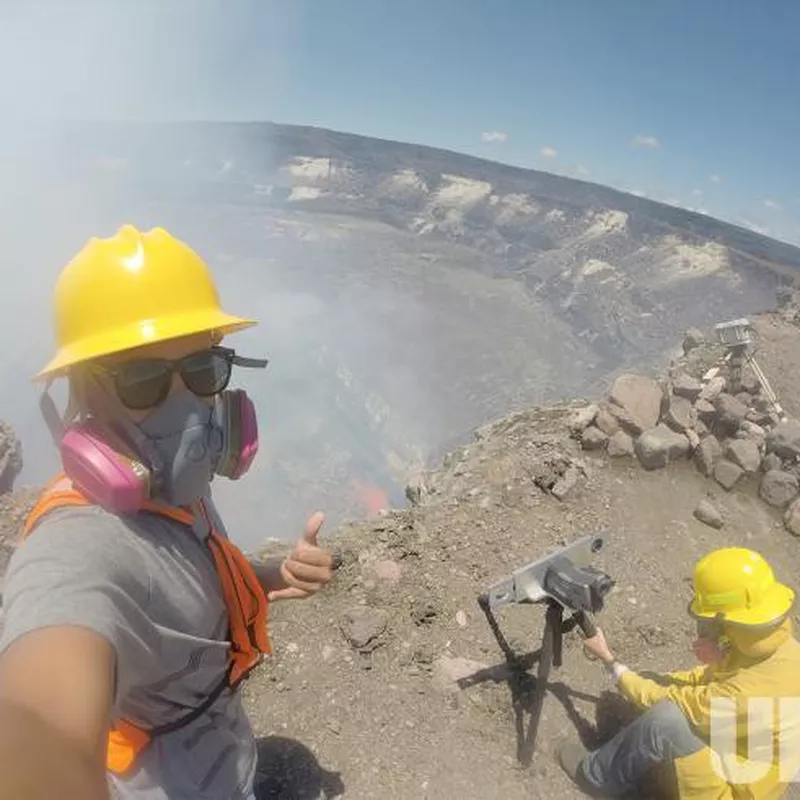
549	655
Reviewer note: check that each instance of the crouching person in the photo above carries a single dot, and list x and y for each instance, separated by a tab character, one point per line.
728	729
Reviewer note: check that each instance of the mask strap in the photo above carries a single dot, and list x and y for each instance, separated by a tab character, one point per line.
49	411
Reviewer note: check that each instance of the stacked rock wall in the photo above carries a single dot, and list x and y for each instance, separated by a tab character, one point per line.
725	423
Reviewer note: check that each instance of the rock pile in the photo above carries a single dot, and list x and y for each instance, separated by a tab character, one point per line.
731	438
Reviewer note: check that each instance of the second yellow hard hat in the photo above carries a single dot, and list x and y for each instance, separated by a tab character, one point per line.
740	585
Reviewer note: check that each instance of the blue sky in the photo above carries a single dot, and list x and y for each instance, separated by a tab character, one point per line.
688	102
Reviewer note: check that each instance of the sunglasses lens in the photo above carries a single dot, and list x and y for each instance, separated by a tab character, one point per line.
142	384
206	373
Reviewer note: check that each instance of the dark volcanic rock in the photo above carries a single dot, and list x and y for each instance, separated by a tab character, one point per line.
778	488
708	452
727	474
684	385
640	399
784	440
658	446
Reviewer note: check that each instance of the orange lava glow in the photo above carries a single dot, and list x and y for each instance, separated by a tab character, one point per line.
371	497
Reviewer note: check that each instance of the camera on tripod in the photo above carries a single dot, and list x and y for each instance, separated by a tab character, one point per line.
564	581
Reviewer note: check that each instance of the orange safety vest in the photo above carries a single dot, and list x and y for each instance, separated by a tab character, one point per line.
245	601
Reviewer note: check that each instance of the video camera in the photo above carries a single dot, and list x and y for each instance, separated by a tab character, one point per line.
565	577
564	581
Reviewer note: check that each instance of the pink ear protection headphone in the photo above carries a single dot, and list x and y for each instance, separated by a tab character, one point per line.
105	468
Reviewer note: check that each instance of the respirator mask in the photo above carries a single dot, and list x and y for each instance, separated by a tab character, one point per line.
710	645
173	454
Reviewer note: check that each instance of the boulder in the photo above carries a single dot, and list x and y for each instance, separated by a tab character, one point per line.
708	513
727	474
680	414
582	418
10	457
692	339
750	384
686	386
784	440
771	461
706	412
640	399
761	404
744	453
708	452
619	445
778	488
593	438
660	445
606	421
791	519
749	430
712	388
730	413
760	418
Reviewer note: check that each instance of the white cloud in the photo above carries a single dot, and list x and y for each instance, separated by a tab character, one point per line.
549	152
647	142
715	178
494	136
697	192
581	170
773	204
638	193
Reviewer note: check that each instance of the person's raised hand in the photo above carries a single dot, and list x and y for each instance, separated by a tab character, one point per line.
308	568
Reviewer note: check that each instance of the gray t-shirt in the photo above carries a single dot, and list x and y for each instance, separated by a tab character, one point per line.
149	586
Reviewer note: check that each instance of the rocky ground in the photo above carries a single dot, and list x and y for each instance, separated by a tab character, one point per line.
392	684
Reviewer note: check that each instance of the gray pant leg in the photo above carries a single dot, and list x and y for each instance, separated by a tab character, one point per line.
662	733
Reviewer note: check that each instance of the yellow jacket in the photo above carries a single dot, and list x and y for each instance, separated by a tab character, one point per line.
758	665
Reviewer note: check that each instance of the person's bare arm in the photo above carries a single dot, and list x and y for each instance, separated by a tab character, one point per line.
56	693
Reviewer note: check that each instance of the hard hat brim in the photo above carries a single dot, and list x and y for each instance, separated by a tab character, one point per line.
775	605
140	334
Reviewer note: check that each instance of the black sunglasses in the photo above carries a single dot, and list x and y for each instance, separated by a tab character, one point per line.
144	384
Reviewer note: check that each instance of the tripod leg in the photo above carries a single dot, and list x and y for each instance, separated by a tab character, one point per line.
556	612
546	654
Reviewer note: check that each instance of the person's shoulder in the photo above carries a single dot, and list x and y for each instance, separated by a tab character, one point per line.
85	537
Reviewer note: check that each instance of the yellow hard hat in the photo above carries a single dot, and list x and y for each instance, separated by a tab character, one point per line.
738	584
132	289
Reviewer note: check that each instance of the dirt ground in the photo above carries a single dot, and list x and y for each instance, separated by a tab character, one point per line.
360	698
391	723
